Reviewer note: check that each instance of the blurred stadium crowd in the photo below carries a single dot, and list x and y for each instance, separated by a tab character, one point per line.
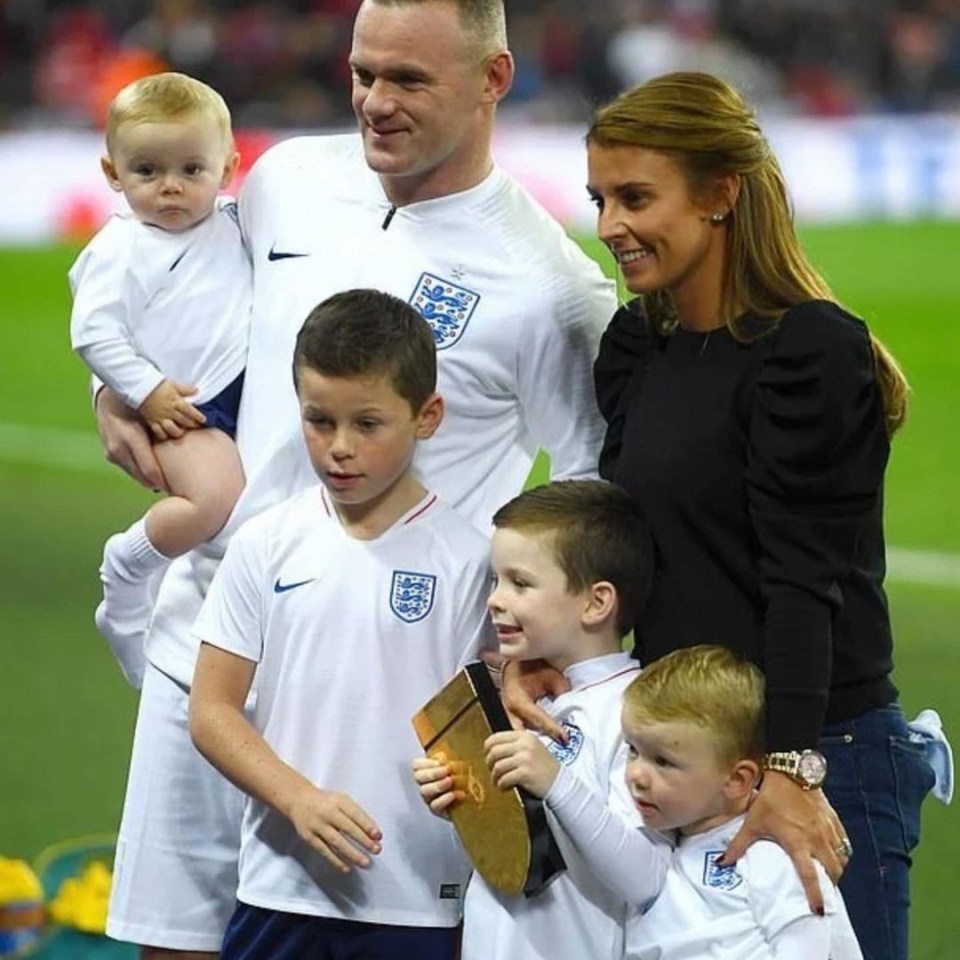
284	64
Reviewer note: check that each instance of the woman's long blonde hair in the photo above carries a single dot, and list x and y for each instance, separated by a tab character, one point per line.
711	132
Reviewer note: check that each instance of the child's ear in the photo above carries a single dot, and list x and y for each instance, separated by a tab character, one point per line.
110	172
743	777
229	170
430	416
601	604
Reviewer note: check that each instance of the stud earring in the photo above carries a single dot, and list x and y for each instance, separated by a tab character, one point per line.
718	217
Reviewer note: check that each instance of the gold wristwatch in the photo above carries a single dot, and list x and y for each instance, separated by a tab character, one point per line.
808	768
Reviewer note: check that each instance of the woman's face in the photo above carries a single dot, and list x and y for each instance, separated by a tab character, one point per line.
661	236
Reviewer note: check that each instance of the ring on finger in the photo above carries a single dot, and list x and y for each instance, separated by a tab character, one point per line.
845	849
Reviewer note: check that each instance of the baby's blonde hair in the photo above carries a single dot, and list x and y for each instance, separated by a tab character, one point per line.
708	686
161	97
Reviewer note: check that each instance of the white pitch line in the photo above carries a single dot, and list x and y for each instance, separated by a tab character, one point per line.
80	450
52	447
923	566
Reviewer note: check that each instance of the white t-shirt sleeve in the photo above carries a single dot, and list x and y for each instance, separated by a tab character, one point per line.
232	613
106	296
806	938
258	189
555	379
628	860
247	202
474	621
843	941
120	367
779	904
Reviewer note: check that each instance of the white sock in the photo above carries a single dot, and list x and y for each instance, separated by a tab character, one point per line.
130	574
133	555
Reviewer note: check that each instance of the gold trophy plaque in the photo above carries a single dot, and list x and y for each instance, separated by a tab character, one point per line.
504	832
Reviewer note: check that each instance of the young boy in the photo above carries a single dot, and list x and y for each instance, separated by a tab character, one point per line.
572	562
161	310
693	721
352	603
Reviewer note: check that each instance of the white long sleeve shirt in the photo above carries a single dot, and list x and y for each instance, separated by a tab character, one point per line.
517	310
150	304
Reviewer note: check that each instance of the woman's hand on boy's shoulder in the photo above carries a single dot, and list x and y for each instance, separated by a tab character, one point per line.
523	683
803	823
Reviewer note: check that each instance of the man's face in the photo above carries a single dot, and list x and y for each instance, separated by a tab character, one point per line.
418	86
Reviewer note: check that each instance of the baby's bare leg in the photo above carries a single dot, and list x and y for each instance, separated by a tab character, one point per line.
204	475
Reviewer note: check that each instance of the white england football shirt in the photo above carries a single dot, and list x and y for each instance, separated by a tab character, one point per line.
351	637
517	309
735	912
150	304
576	916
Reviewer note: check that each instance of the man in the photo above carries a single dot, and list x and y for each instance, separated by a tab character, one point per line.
414	206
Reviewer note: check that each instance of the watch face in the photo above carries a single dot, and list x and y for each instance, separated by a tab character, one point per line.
812	767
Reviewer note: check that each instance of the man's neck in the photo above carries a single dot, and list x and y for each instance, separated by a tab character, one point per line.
402	191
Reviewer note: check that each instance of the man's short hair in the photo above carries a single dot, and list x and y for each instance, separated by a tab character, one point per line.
162	97
706	685
365	332
483	20
598	532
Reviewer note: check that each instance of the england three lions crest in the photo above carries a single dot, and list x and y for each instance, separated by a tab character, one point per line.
723	878
566	753
411	595
446	306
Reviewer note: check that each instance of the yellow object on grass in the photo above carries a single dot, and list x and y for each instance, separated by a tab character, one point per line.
81	901
21	908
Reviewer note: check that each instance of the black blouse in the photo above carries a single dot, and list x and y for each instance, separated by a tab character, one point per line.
761	469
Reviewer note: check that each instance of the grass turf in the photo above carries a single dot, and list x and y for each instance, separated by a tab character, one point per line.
67	714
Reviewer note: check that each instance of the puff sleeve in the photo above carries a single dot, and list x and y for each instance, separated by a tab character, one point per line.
622	347
817	450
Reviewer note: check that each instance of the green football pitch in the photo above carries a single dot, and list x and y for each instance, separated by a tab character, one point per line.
66	716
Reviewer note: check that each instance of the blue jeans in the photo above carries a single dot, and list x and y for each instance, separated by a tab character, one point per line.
876	781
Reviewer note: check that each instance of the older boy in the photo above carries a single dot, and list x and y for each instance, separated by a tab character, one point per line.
572	564
351	602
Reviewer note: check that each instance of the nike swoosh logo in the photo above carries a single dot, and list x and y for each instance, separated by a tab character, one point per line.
279	587
283	254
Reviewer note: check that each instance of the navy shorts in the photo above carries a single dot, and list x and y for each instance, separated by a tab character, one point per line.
221	411
258	934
